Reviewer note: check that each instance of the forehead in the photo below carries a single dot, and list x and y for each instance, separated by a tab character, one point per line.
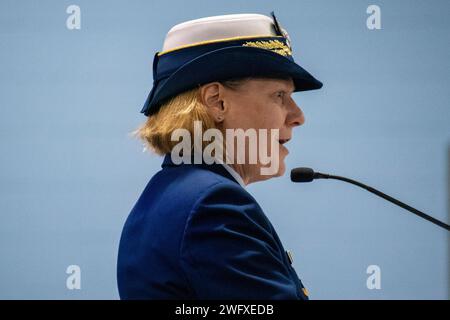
272	83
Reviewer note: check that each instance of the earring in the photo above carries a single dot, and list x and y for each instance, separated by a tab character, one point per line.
219	118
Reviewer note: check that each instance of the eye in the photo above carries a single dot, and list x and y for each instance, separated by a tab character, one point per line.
280	94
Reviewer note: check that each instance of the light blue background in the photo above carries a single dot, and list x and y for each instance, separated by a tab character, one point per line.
70	172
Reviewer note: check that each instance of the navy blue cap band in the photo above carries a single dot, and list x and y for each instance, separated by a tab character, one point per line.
169	62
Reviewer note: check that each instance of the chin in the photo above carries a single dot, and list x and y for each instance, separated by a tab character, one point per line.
282	165
282	169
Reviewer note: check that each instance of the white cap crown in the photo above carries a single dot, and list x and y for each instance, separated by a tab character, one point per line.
218	28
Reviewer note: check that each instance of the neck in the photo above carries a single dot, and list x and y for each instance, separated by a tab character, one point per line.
241	170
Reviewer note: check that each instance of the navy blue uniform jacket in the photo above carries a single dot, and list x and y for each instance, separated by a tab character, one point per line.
195	233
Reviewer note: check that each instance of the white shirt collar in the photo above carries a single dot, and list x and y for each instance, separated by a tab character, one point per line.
227	167
235	175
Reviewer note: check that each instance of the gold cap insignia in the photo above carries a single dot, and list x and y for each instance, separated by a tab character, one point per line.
280	30
273	45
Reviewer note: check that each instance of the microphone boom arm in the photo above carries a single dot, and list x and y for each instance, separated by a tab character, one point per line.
318	175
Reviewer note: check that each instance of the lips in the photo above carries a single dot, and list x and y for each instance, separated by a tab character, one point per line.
283	141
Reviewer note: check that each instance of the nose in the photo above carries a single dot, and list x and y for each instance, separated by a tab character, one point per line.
295	115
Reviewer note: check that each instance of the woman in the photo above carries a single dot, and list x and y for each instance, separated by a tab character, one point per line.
195	232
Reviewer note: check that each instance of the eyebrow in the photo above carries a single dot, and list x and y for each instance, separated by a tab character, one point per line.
292	88
284	89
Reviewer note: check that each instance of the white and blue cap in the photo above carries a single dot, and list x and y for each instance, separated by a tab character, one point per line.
220	48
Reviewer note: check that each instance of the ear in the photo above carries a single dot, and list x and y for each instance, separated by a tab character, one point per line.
211	95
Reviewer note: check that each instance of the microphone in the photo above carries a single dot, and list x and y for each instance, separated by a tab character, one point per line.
308	175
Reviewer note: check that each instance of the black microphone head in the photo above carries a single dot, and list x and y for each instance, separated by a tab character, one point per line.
302	175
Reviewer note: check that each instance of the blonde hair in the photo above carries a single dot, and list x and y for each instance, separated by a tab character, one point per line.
179	112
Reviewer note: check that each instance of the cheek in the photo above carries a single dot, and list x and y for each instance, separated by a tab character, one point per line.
243	114
255	113
275	121
270	117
